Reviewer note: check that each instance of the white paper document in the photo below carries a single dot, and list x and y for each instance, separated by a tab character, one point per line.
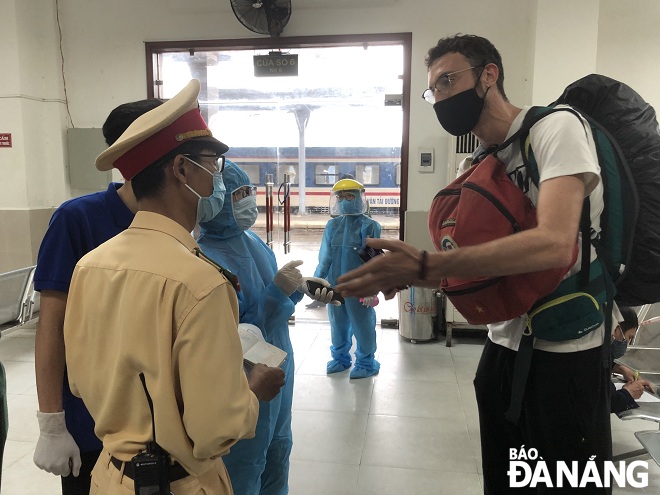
646	396
256	350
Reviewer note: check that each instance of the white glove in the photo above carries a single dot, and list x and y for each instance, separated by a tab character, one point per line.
288	278
370	301
56	450
322	295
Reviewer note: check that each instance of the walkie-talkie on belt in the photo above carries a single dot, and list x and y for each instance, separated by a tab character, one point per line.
150	467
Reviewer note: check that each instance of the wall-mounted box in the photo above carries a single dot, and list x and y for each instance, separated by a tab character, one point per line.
84	145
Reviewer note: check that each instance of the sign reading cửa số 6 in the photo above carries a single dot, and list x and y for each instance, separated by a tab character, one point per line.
275	64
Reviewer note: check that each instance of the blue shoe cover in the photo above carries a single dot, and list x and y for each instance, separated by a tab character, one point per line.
359	372
335	366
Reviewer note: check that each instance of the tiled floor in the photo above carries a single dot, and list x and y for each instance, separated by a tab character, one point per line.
412	430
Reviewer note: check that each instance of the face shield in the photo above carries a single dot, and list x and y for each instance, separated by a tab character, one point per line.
348	202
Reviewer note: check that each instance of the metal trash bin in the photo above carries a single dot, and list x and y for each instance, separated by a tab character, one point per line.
420	311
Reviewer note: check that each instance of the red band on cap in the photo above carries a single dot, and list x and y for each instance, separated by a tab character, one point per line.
189	126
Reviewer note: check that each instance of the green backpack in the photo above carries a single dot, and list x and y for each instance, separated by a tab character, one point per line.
627	269
627	139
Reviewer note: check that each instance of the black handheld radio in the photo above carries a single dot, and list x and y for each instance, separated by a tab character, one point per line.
150	467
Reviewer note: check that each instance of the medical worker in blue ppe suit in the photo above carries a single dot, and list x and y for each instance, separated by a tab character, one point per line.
267	298
344	236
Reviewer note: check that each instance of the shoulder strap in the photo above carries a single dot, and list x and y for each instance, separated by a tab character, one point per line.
231	277
534	115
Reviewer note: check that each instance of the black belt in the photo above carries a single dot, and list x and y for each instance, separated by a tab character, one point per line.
174	471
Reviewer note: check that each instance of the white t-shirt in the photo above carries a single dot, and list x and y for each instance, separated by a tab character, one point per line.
562	145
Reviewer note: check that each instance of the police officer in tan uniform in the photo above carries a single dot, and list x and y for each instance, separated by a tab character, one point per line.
148	302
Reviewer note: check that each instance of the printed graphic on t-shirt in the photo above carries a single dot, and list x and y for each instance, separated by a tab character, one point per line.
519	177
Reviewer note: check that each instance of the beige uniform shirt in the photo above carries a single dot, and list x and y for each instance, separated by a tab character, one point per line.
143	302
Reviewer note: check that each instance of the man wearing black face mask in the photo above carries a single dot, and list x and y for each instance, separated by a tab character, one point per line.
624	398
565	414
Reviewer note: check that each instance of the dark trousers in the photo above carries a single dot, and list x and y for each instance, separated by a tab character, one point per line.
81	484
565	414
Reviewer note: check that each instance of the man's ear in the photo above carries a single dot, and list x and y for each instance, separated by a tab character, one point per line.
179	168
490	75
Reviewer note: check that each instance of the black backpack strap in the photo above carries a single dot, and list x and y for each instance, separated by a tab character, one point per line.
607	339
480	153
610	292
534	115
585	230
521	369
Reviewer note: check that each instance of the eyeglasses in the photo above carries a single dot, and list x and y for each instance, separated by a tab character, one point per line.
443	84
345	195
244	192
218	161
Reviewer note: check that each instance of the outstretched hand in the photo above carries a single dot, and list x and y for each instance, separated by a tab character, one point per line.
396	269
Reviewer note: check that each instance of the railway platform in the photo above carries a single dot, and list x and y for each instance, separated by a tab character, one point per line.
318	220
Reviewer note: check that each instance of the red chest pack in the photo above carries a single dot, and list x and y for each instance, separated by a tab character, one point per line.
482	205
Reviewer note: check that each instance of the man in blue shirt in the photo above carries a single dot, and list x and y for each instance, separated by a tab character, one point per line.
67	445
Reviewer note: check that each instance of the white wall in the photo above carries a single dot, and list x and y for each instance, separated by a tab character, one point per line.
544	44
105	61
31	106
11	115
629	45
566	45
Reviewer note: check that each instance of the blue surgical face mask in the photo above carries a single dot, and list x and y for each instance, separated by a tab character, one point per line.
618	348
351	206
245	212
208	207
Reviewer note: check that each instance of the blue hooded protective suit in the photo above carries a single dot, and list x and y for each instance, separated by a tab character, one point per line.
342	238
259	465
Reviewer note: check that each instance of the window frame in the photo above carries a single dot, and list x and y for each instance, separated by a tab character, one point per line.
154	48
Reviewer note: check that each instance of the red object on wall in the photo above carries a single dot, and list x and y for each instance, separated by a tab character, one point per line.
5	140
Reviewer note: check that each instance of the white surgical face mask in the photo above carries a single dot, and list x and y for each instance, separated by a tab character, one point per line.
208	207
245	212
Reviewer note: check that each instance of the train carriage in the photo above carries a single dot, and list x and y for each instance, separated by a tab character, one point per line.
378	168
